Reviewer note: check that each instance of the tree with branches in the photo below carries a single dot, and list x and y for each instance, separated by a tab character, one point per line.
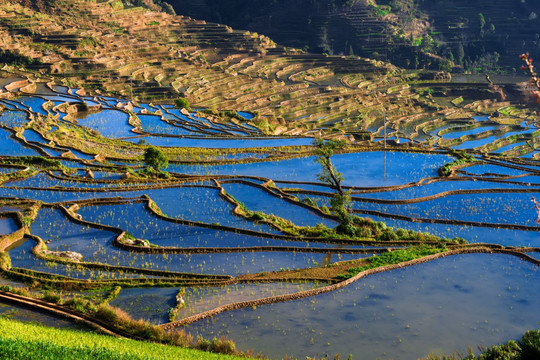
154	158
329	175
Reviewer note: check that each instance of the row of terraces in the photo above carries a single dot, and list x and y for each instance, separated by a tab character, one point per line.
153	56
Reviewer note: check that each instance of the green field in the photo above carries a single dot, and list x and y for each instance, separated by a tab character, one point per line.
39	342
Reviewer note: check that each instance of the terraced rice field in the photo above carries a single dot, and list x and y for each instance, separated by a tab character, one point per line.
230	228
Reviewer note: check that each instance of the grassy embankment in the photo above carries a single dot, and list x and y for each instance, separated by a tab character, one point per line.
39	342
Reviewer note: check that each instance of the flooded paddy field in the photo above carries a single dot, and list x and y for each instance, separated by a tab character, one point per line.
238	234
480	299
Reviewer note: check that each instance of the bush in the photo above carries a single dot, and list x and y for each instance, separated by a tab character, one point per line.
380	225
388	235
530	345
182	103
153	157
346	229
508	351
257	216
52	297
402	234
222	346
81	305
364	232
320	230
164	174
358	221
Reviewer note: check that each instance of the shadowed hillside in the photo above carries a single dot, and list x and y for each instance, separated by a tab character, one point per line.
480	35
326	26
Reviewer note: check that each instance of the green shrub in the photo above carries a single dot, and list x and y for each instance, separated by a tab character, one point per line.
530	345
388	234
52	297
393	257
258	216
222	346
402	234
462	158
81	305
182	103
154	158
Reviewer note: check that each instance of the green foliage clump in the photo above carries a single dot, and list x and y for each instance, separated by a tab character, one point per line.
264	125
81	305
358	227
182	103
527	348
319	230
154	158
150	172
329	175
221	346
51	296
530	345
112	295
258	216
462	158
233	115
380	10
393	257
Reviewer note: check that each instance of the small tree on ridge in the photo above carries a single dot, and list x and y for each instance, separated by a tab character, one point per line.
154	158
329	175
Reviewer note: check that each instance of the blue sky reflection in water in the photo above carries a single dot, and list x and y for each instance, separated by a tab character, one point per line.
359	169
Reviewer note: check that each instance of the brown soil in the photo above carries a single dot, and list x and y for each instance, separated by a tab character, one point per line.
324	273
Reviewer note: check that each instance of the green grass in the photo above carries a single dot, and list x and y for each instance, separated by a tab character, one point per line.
528	347
394	257
463	158
30	341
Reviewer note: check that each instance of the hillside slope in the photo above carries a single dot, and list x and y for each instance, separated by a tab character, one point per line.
481	35
105	45
108	47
